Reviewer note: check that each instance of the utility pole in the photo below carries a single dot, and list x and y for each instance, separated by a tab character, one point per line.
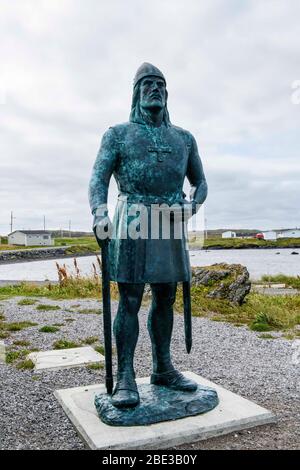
44	224
70	235
11	221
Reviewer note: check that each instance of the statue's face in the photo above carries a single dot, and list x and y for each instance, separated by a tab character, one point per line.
152	93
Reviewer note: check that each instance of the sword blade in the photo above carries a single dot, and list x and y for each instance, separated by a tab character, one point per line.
186	290
106	315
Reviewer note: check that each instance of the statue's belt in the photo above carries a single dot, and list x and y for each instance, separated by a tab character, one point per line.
147	200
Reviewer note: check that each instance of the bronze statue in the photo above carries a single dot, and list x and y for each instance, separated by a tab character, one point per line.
149	158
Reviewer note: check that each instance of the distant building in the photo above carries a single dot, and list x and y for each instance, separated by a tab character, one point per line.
293	233
270	235
30	238
229	234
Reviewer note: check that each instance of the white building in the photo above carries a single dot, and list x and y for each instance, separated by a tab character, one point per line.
229	234
30	238
293	233
270	235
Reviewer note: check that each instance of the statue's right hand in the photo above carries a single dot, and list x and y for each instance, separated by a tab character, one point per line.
102	228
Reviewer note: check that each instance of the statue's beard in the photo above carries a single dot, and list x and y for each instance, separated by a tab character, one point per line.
137	114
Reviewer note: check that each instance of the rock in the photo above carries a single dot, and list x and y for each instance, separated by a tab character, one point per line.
294	253
224	281
157	404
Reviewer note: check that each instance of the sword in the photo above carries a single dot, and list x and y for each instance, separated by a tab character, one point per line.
186	290
186	287
103	244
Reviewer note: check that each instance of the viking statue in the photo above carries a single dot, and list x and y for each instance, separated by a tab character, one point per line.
149	158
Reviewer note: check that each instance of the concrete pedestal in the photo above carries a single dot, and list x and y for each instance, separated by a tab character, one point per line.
233	413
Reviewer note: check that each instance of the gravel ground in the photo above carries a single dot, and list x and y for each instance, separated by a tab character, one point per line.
259	369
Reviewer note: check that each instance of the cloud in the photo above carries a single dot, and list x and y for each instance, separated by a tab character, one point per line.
67	76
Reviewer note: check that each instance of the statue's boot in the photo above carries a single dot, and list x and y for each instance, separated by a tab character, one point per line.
175	380
125	394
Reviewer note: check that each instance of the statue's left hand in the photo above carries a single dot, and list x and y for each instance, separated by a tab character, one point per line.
190	208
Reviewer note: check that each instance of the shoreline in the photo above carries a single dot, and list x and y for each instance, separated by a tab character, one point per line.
246	247
46	258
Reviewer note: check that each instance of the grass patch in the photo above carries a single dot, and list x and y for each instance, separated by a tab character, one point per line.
90	240
95	366
4	334
2	317
267	336
218	318
27	302
81	249
46	307
18	326
26	364
218	242
65	344
49	329
289	336
70	289
12	355
100	349
21	342
291	281
88	311
58	324
70	319
90	340
260	312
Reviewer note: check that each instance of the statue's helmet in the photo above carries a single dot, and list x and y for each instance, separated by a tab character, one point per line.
145	70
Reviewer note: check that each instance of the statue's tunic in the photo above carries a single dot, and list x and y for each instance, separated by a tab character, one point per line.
149	165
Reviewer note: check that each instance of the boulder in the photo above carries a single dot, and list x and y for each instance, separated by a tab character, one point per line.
224	281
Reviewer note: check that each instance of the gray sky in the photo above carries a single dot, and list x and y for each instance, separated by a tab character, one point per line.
66	75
